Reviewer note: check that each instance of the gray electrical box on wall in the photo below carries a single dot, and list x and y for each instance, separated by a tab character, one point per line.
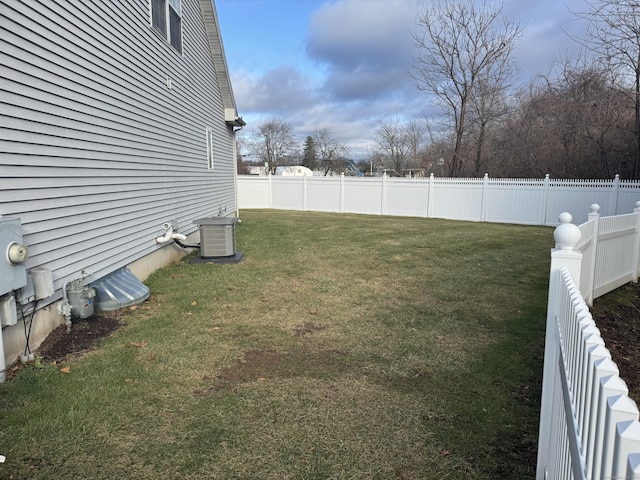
13	254
13	274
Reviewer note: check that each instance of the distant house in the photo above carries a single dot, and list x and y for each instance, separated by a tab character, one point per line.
116	117
285	171
294	171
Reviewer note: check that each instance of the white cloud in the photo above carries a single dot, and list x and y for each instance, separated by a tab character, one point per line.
363	42
278	91
546	33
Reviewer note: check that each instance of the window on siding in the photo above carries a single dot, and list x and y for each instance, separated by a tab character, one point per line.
166	18
210	149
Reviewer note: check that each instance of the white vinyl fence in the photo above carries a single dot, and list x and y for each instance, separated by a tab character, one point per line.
589	427
522	201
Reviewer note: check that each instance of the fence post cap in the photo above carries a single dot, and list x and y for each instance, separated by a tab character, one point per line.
567	235
595	208
637	204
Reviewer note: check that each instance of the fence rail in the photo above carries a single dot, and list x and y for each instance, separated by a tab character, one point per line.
589	427
500	200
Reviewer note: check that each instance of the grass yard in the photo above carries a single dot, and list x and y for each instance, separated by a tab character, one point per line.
342	347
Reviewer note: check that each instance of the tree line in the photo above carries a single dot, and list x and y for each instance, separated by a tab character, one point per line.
581	122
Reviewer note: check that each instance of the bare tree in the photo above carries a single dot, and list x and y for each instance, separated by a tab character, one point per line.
329	150
487	107
241	166
600	112
614	37
401	143
575	125
462	45
273	142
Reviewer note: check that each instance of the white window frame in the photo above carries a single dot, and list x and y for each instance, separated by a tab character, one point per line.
163	25
210	149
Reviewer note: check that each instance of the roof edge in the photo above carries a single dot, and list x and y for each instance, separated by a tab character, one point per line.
218	56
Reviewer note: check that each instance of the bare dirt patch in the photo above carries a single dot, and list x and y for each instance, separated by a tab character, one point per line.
82	337
254	366
267	365
307	328
618	318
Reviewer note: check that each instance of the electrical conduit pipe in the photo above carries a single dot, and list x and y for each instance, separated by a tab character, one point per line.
3	365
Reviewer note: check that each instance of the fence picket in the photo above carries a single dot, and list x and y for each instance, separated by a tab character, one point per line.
633	467
627	441
618	407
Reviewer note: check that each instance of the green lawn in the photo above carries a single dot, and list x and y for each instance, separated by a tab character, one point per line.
343	346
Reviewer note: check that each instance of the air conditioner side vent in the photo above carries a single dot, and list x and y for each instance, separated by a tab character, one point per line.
217	236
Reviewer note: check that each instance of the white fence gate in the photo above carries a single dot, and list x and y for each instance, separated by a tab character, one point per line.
589	427
522	201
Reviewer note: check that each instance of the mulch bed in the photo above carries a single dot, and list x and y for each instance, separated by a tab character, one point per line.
618	319
82	337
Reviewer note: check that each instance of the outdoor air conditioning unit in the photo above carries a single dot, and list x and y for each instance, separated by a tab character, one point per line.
218	239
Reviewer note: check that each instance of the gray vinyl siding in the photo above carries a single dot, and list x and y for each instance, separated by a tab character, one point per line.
96	152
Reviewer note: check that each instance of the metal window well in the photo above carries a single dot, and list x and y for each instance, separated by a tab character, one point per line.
218	240
117	290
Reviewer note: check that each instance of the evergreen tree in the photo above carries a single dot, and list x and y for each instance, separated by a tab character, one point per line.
310	157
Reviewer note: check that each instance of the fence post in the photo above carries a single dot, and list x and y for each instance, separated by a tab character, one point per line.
636	246
383	194
483	206
341	207
564	255
594	214
545	198
270	190
430	196
615	193
304	193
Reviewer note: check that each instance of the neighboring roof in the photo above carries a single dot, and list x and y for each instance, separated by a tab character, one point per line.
216	47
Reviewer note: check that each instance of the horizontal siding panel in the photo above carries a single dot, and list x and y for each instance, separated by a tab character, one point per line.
65	58
167	105
61	119
48	201
160	172
103	209
35	163
42	85
96	152
67	183
54	135
55	152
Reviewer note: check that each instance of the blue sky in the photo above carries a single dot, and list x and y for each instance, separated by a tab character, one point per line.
343	63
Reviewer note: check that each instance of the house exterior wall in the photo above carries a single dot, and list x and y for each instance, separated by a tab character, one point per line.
103	134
